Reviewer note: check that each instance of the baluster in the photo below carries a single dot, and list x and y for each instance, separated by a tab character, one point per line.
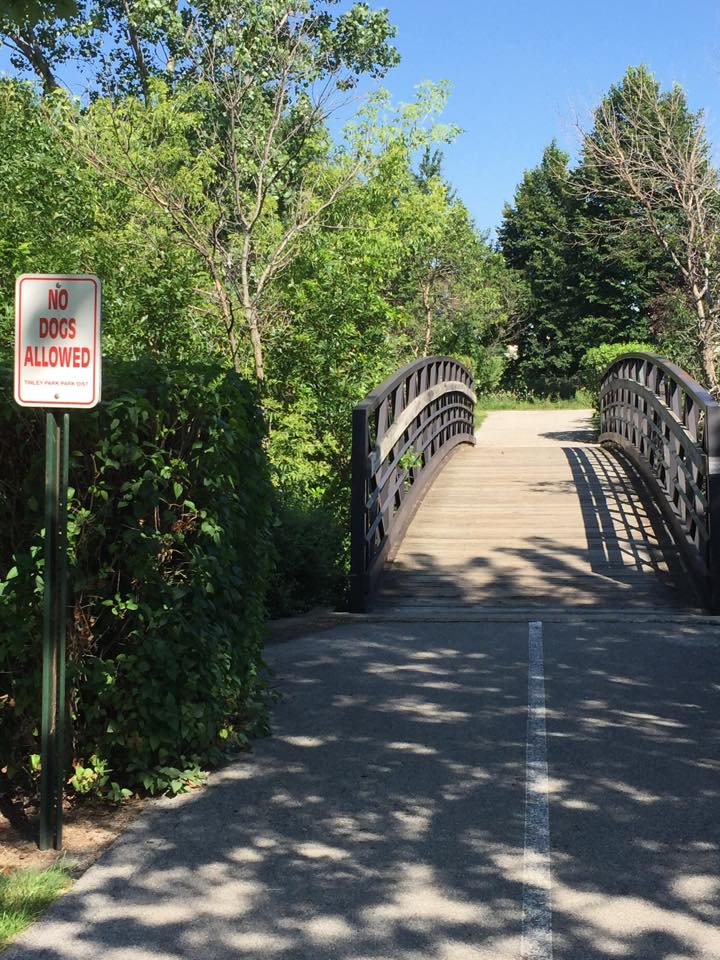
412	388
691	417
694	481
424	383
412	392
398	407
711	444
674	394
383	422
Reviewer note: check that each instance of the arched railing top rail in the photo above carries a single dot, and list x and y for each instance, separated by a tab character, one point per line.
669	425
402	432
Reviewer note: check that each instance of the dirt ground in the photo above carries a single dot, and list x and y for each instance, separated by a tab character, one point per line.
89	826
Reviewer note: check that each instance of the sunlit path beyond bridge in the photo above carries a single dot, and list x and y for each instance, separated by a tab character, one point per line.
537	514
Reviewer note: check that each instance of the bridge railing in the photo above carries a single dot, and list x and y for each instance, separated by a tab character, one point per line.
401	434
669	426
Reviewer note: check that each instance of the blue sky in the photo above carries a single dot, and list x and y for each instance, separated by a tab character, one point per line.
524	72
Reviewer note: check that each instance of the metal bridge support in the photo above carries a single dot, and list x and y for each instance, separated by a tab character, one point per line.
401	434
669	427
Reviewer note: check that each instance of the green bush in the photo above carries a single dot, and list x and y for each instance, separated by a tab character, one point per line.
550	388
597	359
169	562
310	554
488	367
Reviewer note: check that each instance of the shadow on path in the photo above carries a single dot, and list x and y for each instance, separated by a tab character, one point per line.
384	818
576	531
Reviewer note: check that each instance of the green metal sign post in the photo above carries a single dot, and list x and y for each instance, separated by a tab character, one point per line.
57	368
52	734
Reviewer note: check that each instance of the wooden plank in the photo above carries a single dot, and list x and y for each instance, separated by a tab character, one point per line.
535	511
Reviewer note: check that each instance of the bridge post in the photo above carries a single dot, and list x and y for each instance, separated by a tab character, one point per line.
712	448
358	509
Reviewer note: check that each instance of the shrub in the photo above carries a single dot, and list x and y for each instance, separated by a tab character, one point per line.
488	367
310	554
169	561
597	359
552	388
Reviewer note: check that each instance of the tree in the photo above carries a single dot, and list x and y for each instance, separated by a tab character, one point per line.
450	280
33	10
60	216
237	154
654	154
119	45
24	31
589	284
537	239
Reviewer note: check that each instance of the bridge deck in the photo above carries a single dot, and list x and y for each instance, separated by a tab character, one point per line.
536	514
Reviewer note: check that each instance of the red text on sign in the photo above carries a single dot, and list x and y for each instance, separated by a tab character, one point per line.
63	328
56	357
57	299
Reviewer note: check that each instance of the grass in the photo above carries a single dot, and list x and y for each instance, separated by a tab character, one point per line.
25	895
508	401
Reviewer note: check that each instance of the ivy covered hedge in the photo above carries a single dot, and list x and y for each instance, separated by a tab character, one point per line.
169	562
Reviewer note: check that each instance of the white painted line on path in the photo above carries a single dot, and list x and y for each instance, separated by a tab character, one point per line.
537	878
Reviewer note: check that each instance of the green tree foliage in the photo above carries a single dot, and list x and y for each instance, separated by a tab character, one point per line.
648	155
537	238
41	34
34	10
587	285
60	215
624	245
169	560
232	147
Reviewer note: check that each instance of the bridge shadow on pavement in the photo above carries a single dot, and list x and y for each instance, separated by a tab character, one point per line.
384	818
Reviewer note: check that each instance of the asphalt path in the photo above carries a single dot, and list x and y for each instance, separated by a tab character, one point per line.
397	810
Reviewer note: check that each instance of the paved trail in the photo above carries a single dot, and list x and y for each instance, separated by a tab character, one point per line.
536	784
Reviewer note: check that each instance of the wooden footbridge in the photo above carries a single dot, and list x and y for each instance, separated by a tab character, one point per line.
618	509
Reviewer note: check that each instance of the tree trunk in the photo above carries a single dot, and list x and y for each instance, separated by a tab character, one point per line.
249	303
251	316
138	54
226	313
708	341
709	362
427	303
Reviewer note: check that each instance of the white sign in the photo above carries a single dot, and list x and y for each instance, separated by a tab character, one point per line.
57	341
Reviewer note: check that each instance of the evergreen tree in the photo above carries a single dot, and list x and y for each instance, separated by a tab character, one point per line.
647	158
537	239
589	282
